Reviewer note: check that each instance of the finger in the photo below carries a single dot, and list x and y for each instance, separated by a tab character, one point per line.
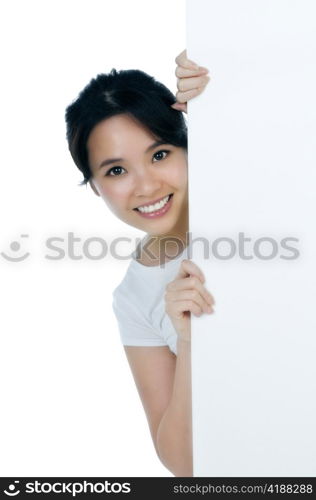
205	297
179	309
188	267
182	60
193	295
179	106
184	84
181	72
190	283
183	97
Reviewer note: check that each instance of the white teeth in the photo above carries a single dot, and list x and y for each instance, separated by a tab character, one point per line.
155	207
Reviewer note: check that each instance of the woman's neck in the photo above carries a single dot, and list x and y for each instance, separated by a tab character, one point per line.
155	250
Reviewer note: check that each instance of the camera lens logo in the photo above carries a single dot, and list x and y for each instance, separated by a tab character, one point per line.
15	247
13	492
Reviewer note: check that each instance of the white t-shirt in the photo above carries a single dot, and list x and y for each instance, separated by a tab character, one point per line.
139	304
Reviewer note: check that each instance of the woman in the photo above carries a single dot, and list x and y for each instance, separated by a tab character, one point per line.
127	135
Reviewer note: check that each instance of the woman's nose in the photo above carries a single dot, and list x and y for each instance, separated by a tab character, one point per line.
147	184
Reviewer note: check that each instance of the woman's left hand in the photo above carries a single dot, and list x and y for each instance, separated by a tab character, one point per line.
191	81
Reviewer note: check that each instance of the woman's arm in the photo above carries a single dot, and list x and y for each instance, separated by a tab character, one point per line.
174	435
163	380
185	295
153	370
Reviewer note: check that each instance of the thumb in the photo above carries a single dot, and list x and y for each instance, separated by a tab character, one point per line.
179	106
189	268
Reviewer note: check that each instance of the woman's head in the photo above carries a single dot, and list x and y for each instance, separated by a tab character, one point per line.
127	116
131	92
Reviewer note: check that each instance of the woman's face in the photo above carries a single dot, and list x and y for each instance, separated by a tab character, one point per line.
129	171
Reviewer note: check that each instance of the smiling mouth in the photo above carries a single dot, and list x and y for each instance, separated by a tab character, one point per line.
152	207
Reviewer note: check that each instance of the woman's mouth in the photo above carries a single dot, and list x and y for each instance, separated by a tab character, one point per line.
156	210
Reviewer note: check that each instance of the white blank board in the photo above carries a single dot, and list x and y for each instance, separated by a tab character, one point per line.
252	174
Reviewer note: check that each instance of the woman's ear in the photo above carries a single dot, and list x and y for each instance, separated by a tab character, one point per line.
93	187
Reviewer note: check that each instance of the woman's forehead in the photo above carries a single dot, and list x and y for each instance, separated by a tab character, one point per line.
119	129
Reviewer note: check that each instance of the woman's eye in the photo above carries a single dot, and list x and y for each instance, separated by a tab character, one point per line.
114	169
162	151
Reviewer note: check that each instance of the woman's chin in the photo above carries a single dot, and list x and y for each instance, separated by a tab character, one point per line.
155	225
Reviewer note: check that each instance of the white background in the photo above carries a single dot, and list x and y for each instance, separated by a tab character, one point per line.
252	157
69	403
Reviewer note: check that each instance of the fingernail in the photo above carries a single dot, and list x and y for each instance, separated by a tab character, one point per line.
209	309
203	70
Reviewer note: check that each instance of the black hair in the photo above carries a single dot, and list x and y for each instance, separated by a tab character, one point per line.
131	92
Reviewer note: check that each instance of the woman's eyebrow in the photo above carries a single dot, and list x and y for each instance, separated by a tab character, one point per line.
114	160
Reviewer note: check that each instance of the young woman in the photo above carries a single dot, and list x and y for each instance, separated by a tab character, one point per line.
127	135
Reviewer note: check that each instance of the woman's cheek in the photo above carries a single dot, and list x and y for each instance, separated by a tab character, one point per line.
180	177
116	200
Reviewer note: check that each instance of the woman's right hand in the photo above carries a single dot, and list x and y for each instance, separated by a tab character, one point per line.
185	295
191	81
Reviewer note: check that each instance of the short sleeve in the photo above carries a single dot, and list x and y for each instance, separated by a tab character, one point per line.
134	327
